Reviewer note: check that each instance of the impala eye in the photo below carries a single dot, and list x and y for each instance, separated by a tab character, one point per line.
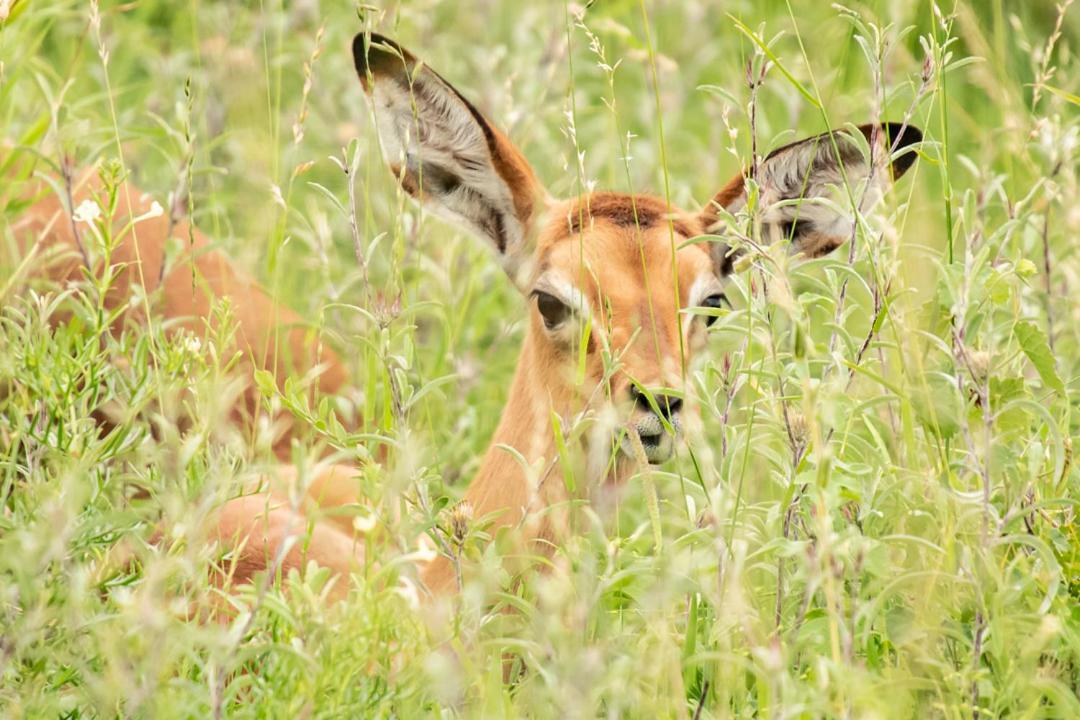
553	310
714	301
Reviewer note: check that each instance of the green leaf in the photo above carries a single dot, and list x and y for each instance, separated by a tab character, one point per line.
775	60
936	403
1004	390
652	503
1033	342
264	381
1025	268
428	387
329	195
564	454
1067	96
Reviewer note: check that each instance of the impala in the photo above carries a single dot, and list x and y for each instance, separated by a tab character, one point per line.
611	281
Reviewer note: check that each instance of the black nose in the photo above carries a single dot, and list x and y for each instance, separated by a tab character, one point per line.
668	404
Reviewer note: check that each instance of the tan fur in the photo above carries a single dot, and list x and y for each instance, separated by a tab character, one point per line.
185	293
728	195
258	523
620	268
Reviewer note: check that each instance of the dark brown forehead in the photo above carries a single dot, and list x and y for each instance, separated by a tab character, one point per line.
620	246
626	211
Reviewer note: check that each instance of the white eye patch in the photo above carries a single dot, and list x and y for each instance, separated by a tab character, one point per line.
705	286
563	308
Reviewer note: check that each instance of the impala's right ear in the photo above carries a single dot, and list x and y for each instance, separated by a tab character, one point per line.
795	181
447	155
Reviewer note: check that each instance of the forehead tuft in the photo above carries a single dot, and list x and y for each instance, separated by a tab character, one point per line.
616	241
624	211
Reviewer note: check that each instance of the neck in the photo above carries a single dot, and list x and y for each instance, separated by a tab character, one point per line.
506	492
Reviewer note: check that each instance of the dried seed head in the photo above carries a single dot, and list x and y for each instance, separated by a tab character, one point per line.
979	362
460	520
927	69
800	430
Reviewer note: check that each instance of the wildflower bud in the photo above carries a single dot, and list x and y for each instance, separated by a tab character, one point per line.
742	262
927	69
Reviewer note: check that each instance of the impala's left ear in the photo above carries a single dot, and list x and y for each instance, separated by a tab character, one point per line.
802	187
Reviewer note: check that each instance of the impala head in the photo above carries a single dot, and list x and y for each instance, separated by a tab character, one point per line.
608	273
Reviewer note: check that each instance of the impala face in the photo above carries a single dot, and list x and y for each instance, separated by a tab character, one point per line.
611	277
608	274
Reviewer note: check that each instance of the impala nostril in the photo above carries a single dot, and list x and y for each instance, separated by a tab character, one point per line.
672	403
669	405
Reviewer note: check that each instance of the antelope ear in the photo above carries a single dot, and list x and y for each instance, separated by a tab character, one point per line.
446	154
794	179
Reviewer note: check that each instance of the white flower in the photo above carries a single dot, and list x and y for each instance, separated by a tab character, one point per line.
364	524
87	212
425	551
155	211
193	344
407	589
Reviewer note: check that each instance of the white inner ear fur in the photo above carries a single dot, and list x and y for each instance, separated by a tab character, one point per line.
445	149
810	171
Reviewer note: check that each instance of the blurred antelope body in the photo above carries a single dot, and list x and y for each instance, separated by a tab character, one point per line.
606	274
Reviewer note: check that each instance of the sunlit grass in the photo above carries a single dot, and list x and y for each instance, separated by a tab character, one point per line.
877	518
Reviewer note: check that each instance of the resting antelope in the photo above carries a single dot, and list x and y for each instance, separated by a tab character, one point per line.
612	271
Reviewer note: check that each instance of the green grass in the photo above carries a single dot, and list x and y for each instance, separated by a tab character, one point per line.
879	518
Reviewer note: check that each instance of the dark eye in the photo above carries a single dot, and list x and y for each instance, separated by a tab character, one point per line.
552	309
714	301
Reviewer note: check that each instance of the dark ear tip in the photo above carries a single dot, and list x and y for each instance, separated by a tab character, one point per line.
369	57
900	137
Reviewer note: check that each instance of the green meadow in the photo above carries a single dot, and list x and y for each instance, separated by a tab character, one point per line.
876	516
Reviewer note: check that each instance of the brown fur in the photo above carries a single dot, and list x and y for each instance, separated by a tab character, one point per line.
640	211
727	196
